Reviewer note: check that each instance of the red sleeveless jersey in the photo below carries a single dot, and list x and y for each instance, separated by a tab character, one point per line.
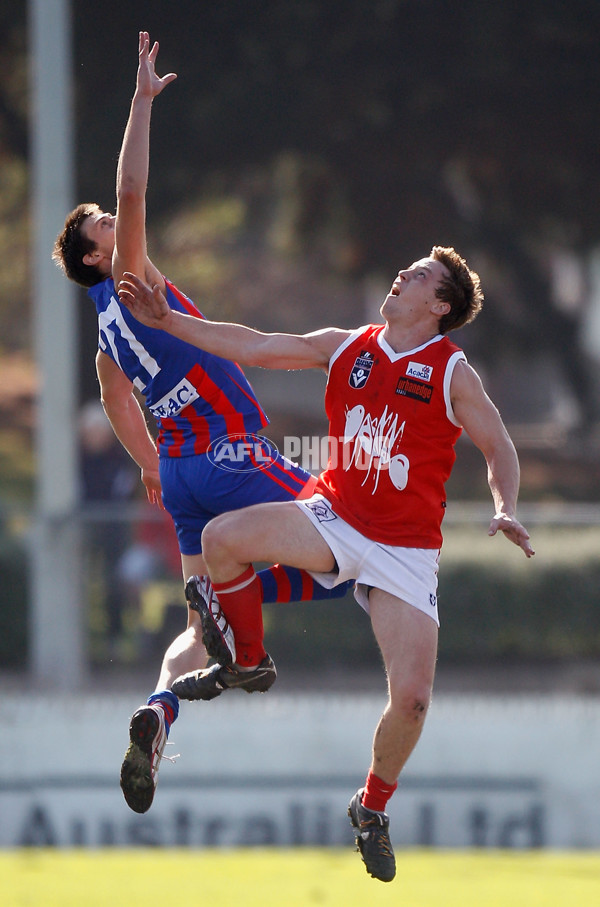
392	435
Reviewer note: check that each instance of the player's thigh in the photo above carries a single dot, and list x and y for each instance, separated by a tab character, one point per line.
407	637
276	532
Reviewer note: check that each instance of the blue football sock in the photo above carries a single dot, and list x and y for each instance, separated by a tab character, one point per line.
289	584
169	703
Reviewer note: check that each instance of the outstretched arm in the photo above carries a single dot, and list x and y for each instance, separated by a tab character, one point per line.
130	251
481	420
231	341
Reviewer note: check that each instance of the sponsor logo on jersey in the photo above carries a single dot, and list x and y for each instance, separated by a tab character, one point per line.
175	400
361	369
422	372
418	390
237	452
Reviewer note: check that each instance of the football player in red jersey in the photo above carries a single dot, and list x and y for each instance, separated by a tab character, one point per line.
398	396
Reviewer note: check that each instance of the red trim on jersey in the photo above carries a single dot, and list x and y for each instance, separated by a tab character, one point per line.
192	310
198	427
170	426
185	301
216	397
252	399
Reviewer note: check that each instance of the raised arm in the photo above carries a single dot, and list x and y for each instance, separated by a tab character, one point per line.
231	341
130	251
482	422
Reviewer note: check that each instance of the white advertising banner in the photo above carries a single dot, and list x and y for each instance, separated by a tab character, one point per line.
280	769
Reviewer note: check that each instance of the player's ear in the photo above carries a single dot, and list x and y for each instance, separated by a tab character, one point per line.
440	308
91	258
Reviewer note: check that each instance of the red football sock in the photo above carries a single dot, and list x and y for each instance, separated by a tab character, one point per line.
377	793
241	600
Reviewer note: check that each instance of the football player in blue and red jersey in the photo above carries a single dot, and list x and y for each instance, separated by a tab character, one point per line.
202	404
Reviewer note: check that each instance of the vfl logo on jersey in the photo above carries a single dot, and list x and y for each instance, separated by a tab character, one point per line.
415	389
422	372
177	399
361	369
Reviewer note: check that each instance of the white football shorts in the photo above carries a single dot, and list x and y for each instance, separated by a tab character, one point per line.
408	573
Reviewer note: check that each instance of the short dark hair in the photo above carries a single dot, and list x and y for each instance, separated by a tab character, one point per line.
71	245
461	289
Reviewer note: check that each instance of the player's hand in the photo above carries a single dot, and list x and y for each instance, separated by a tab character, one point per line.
151	482
148	82
513	530
149	306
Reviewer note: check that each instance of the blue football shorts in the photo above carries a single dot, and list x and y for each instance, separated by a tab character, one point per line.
196	489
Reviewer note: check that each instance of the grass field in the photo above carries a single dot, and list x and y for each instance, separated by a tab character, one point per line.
296	878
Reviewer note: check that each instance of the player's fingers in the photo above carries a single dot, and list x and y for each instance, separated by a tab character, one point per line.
126	293
130	277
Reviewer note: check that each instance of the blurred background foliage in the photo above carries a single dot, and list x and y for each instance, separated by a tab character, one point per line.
307	150
311	147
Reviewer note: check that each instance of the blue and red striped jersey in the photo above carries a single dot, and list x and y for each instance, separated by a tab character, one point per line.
195	397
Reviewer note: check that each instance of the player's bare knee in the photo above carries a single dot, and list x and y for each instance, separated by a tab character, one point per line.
410	700
216	539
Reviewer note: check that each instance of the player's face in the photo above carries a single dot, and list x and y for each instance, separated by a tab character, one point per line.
100	228
413	290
